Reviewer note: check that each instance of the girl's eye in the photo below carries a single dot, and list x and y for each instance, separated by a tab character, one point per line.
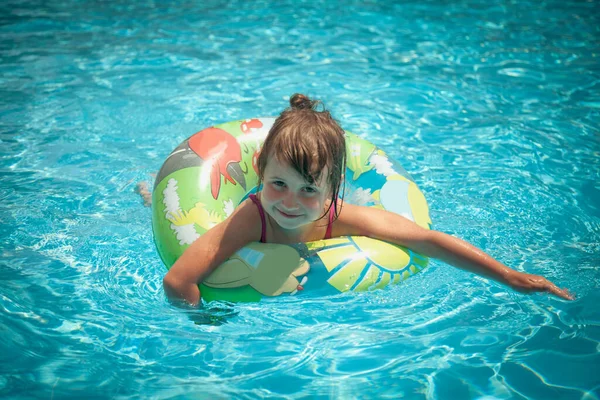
310	189
279	183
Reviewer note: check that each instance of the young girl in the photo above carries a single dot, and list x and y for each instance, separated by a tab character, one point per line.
301	167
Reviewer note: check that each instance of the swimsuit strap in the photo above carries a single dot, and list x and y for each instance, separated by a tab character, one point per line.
263	234
330	223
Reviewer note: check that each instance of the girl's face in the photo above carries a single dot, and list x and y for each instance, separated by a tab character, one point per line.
290	200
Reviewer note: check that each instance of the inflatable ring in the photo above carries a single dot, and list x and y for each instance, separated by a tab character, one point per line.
210	173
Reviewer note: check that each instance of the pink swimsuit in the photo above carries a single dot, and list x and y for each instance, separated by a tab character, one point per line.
261	211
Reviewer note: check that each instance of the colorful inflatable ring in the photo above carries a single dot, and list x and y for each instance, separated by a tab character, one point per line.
210	173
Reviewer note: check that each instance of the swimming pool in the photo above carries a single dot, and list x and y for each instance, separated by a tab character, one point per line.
493	107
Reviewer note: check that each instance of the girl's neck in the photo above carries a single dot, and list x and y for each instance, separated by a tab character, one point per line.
289	236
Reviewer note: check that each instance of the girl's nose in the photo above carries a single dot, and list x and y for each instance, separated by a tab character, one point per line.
289	201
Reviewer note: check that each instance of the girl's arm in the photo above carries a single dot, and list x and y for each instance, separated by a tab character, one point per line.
390	227
209	251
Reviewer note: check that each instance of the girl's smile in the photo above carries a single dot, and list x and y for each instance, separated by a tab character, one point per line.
289	215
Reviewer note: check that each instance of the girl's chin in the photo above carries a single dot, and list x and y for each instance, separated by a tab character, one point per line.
286	222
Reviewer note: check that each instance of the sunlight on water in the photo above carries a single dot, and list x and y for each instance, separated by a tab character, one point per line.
491	107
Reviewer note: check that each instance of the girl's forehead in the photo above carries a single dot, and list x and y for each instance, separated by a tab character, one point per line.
274	164
285	171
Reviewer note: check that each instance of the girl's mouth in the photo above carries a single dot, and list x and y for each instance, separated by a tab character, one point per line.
288	215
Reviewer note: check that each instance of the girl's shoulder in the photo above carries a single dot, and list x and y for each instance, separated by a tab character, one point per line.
351	219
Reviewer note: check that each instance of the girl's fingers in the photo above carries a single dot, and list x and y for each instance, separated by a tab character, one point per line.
542	284
562	293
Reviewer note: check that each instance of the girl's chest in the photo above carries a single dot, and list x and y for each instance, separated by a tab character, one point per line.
312	232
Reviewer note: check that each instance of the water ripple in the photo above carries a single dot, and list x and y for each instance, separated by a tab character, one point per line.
495	116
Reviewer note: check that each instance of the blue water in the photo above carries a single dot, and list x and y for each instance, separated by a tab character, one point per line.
493	107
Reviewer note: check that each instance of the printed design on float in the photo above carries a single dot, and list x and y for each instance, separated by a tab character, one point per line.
361	263
249	134
362	197
403	197
228	207
186	234
398	194
223	158
198	215
357	159
248	127
182	222
269	269
223	153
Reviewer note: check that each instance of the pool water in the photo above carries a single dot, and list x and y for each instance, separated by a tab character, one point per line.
493	107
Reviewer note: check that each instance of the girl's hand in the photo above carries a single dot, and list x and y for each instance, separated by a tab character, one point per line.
527	283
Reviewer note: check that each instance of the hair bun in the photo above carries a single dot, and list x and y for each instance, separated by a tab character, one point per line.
301	102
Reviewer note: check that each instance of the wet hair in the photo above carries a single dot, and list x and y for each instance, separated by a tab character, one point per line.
308	138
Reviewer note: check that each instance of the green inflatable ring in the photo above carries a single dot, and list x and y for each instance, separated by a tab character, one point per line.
210	173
